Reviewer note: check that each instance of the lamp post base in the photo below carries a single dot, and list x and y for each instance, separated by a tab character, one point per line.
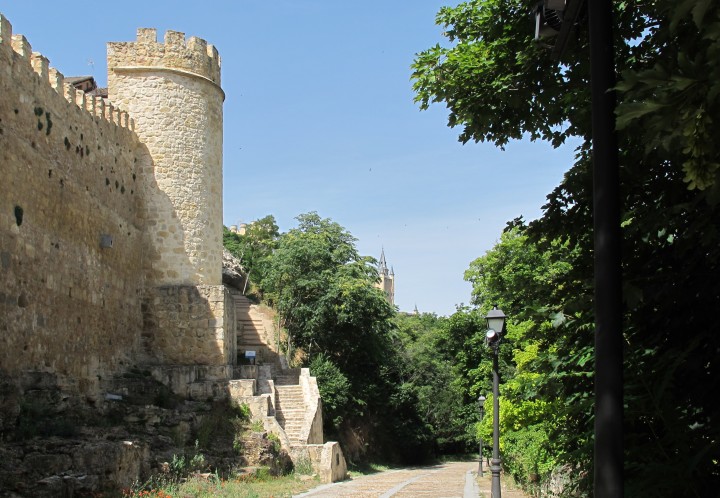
495	470
480	466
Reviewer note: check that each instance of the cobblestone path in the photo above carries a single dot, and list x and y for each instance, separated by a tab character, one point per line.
447	480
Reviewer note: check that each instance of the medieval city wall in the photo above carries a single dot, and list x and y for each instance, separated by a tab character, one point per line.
69	186
111	237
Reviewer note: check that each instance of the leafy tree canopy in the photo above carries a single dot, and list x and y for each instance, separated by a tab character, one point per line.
500	85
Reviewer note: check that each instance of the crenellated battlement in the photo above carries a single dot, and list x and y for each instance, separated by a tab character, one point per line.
96	106
194	56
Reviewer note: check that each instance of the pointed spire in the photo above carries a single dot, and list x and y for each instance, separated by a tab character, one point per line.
382	265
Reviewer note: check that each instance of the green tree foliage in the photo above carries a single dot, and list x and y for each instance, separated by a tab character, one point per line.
335	389
325	294
426	370
499	85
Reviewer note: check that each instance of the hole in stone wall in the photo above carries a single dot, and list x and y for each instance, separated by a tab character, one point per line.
22	300
18	215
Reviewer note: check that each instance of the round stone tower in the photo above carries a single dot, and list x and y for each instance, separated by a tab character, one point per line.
172	91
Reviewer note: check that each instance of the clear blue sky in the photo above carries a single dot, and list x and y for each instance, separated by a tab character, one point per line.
319	116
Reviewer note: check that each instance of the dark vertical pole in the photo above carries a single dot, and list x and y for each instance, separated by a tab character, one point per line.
480	466
495	462
608	288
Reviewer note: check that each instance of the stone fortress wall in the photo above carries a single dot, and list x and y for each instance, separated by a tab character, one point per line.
111	221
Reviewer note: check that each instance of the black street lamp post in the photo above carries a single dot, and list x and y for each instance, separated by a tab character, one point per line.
496	326
608	446
481	407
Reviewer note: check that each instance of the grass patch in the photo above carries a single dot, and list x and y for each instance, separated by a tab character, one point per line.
256	485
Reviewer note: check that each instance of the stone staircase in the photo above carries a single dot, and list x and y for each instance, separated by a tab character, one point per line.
290	411
286	400
253	333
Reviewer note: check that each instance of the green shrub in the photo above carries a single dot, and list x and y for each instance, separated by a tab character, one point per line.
183	465
334	388
527	453
275	440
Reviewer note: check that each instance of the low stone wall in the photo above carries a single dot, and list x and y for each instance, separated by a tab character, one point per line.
195	381
312	430
327	460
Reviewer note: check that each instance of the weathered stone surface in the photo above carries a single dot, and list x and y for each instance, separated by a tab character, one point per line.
190	325
68	306
260	451
172	92
233	274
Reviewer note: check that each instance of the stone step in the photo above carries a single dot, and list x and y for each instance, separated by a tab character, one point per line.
293	423
296	427
253	340
290	414
251	330
299	417
282	384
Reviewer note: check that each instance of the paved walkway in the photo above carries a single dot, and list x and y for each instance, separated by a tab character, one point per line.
447	480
